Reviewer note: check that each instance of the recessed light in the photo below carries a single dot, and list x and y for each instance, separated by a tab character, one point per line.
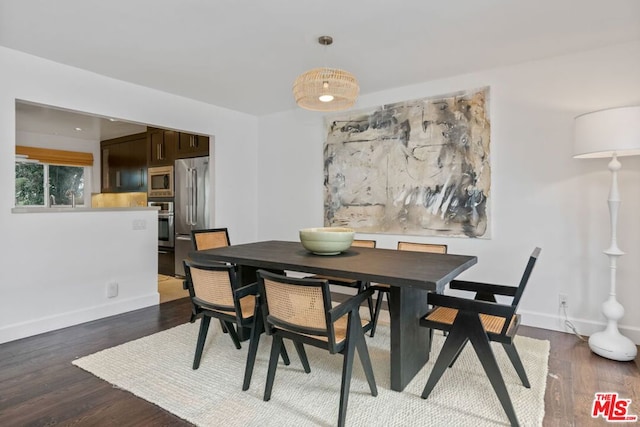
112	120
79	129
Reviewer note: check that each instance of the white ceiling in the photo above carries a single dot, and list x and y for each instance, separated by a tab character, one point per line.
54	121
245	55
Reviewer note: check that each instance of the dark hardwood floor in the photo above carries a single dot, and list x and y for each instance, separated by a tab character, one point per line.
40	387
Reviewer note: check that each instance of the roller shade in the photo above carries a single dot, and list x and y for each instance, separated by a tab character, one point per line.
56	157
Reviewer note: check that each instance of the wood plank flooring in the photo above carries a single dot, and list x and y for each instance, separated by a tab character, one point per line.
40	387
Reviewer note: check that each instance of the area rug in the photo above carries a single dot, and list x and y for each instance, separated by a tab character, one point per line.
157	368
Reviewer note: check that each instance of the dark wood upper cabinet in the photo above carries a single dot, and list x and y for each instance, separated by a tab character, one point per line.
190	145
124	164
125	160
162	146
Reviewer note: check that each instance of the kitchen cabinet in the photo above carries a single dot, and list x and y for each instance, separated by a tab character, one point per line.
190	145
124	164
166	263
161	146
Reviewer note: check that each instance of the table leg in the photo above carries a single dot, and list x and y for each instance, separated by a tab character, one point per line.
409	340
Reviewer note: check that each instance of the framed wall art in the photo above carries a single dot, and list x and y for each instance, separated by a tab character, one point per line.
418	167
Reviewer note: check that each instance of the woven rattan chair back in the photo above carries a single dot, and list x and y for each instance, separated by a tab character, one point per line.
210	238
212	286
295	305
422	247
384	289
364	243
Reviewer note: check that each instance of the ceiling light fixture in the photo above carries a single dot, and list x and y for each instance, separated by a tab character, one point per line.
326	89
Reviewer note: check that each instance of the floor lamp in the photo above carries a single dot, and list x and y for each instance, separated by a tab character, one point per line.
610	133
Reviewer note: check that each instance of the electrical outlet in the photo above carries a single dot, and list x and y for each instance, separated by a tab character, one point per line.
139	224
112	289
563	300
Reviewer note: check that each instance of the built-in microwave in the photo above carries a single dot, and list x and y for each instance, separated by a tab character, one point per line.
160	181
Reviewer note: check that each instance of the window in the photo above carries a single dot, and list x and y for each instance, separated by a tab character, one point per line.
50	177
39	184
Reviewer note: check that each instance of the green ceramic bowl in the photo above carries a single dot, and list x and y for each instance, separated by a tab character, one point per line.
327	240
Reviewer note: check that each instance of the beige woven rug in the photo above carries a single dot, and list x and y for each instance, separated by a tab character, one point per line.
158	369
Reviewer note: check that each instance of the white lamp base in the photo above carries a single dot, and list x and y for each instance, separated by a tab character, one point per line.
612	345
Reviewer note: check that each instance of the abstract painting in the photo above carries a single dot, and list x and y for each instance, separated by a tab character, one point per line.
417	167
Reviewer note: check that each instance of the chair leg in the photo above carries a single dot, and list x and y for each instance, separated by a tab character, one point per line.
347	368
254	340
194	313
455	340
276	345
362	286
376	313
480	342
223	326
284	355
458	354
517	363
233	334
303	356
363	353
202	336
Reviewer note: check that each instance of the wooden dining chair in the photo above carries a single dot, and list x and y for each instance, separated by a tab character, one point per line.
299	309
210	238
479	320
202	239
214	290
352	283
384	289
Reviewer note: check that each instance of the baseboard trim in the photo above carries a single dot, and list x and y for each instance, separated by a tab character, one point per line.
50	323
542	320
583	327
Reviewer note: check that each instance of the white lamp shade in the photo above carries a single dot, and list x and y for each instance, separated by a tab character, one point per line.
607	132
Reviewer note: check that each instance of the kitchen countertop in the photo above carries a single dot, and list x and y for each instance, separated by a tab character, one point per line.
81	209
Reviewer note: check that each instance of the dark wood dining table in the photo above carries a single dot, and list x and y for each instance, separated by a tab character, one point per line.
411	276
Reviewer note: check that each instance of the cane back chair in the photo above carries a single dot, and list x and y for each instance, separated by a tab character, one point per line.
300	310
384	289
479	320
352	283
214	291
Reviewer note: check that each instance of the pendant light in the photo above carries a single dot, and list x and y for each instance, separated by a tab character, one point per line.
326	89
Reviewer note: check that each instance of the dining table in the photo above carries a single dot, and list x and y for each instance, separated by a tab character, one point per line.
411	276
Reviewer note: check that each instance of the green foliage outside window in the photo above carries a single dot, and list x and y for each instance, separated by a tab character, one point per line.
62	182
29	184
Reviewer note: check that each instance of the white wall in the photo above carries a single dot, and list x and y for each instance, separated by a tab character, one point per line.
541	196
56	265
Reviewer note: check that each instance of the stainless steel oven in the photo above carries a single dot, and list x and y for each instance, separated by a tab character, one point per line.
166	230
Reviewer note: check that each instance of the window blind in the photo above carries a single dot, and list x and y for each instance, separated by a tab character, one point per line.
56	157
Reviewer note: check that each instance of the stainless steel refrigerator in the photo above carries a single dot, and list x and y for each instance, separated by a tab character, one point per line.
191	205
